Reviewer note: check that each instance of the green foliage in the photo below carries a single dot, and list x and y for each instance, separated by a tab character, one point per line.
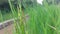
42	19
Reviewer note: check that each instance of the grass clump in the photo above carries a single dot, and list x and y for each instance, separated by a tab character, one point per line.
42	19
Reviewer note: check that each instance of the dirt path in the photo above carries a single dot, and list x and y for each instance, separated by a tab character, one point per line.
7	29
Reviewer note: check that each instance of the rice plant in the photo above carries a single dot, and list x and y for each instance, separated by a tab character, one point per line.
42	19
